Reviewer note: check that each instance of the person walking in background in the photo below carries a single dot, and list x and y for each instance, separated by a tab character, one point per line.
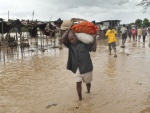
123	31
111	34
139	33
144	33
133	31
79	60
136	33
129	33
148	35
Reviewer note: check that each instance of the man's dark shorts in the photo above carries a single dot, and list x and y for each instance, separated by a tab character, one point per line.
124	36
112	44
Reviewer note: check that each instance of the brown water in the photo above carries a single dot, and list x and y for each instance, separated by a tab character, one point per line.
38	82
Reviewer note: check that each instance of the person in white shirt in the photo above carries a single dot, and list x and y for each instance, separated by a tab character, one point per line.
123	31
148	35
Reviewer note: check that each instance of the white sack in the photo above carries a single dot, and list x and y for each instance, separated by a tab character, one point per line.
85	38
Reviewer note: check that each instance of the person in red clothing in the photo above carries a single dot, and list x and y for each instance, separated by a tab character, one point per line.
133	31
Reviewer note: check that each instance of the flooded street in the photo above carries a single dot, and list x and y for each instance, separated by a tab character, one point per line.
38	82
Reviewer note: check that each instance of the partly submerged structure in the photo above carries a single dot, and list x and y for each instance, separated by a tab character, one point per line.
104	24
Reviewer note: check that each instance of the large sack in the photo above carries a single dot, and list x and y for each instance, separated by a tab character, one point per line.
85	38
85	27
66	24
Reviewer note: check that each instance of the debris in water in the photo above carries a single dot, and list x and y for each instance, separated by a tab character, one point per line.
51	104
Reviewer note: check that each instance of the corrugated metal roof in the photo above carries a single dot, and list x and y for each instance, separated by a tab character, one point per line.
107	21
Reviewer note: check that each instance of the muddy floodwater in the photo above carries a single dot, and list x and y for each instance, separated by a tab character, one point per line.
38	82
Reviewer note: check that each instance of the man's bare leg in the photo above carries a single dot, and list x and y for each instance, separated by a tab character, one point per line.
79	89
109	49
88	87
115	55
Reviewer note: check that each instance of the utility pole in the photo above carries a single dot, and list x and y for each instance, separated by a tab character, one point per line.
32	16
8	15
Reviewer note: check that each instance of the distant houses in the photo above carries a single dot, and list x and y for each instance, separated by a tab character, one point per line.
104	24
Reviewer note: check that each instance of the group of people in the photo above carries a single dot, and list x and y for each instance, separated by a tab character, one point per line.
138	34
126	32
79	59
135	34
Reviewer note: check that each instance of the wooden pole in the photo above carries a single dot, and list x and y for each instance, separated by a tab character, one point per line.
2	29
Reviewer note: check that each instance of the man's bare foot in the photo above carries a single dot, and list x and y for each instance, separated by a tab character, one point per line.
88	92
115	55
80	99
123	46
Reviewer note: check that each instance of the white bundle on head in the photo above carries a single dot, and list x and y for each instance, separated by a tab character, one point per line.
85	38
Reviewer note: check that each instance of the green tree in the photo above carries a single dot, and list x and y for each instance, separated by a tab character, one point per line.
146	22
138	22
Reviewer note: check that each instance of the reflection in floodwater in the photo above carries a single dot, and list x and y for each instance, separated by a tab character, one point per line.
140	44
147	110
19	52
111	67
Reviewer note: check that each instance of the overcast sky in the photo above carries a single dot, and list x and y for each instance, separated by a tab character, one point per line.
98	10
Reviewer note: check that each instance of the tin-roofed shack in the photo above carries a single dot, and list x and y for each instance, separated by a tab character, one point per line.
103	25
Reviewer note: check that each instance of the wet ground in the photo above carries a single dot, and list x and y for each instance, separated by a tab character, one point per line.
38	82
